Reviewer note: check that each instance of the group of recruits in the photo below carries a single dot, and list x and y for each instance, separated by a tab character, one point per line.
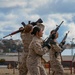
33	51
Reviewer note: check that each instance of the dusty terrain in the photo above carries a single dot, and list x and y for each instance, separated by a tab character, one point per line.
5	71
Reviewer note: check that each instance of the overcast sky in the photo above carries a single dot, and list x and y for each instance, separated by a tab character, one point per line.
52	12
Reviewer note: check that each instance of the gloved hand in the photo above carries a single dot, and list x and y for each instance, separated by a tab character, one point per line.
21	28
63	42
48	46
53	36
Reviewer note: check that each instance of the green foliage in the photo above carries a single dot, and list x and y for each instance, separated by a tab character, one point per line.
10	44
2	60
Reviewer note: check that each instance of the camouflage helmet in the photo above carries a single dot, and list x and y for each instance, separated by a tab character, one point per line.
40	26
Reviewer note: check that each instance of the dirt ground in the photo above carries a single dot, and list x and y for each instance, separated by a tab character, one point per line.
5	71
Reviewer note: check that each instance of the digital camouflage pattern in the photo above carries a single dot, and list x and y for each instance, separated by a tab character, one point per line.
55	62
26	39
34	57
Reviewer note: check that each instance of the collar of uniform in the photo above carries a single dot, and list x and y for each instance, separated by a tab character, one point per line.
35	37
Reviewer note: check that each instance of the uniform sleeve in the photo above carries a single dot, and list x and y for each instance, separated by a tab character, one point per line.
39	50
22	35
57	48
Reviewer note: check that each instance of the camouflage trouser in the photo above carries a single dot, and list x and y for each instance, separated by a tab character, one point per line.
37	70
57	68
22	67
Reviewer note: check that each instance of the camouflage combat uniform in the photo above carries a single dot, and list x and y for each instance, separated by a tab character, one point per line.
34	57
55	60
26	38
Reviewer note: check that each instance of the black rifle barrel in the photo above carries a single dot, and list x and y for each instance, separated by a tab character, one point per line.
49	40
58	26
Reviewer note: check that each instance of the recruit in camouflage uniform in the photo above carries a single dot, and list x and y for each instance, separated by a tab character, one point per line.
26	39
55	61
34	57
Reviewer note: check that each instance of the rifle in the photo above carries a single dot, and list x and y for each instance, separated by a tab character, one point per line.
17	31
64	39
58	26
35	23
49	39
63	42
12	33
